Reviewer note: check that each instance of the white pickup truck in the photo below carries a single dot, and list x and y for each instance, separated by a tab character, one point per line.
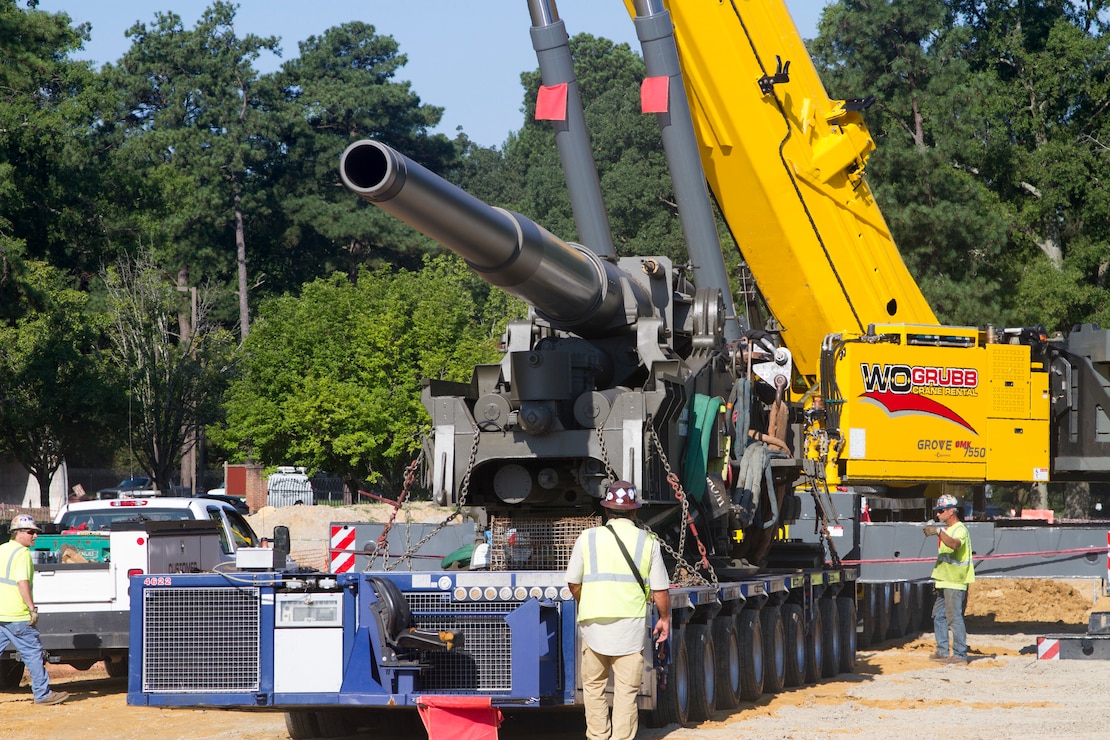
83	563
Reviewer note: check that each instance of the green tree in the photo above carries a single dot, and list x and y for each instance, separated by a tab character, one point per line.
331	378
175	382
989	119
58	395
187	118
50	177
340	89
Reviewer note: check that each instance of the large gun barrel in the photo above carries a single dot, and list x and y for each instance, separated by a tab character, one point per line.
568	285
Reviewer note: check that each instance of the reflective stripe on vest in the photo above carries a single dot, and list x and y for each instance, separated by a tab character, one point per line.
609	588
7	579
955	566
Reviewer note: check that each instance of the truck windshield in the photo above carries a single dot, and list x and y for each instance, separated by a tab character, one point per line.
94	520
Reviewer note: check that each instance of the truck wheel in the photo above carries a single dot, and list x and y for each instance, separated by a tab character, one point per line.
815	647
726	639
794	645
334	723
866	606
883	604
11	673
751	654
846	614
830	624
899	610
703	691
917	608
301	725
116	668
774	649
672	703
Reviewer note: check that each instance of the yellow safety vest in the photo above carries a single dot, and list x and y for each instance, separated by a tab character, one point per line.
15	566
609	588
954	568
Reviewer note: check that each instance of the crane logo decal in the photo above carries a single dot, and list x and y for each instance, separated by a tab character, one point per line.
905	389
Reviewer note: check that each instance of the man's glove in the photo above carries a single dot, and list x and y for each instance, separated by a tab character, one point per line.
34	617
931	530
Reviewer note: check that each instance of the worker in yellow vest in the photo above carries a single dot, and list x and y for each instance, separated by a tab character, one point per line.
953	573
18	615
614	572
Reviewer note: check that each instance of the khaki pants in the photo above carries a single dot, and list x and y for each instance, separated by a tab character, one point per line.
627	673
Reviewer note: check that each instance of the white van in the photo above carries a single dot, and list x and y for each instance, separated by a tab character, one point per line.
289	486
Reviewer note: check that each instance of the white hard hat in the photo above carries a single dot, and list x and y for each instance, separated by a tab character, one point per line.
23	521
947	501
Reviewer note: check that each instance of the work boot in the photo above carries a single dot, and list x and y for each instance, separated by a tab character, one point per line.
955	660
938	657
54	697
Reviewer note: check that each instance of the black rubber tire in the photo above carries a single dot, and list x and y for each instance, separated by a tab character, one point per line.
917	609
703	672
774	649
846	614
11	673
381	723
866	605
883	603
751	654
672	703
301	725
726	640
794	645
830	623
899	610
334	723
116	668
815	646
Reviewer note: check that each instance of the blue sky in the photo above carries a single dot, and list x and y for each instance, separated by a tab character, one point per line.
465	57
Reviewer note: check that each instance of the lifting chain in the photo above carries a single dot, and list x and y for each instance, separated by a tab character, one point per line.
464	489
382	545
684	573
687	522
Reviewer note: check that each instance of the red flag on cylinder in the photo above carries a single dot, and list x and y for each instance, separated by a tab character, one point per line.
653	94
551	103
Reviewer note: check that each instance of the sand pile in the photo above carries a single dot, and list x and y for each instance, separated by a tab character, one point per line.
310	526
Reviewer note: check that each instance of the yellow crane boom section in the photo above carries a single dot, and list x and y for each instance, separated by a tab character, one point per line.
786	165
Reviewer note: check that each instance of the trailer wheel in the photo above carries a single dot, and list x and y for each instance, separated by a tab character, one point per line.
703	671
11	673
867	608
899	610
334	723
917	608
846	614
830	624
794	645
116	668
815	647
774	649
301	725
751	654
672	703
726	639
883	604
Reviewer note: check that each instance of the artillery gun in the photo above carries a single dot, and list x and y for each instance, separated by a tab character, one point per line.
622	371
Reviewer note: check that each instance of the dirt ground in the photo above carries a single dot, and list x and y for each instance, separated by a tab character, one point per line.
895	689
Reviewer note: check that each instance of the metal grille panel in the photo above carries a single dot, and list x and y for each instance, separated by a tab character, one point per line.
485	660
535	543
200	639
